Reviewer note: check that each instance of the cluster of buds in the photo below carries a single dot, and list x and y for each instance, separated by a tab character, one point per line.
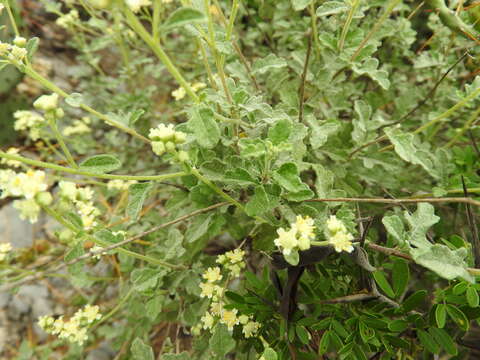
338	235
11	163
213	289
67	20
120	185
5	248
15	53
296	239
78	127
75	329
82	199
30	121
233	261
30	185
49	105
136	5
180	92
166	139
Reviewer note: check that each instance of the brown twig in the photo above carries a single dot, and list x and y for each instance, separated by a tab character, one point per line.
301	89
41	274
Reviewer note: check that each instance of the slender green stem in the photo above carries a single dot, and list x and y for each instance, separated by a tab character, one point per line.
320	243
64	169
462	131
390	6
348	22
11	17
53	125
215	188
217	56
156	21
102	243
159	52
52	87
117	307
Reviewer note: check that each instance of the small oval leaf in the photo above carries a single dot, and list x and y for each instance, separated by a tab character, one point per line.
101	164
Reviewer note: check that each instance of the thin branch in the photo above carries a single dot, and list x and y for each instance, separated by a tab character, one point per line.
349	298
398	253
90	254
473	228
430	94
301	90
400	201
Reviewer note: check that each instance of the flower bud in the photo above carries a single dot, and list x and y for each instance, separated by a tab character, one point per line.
46	102
183	156
180	137
170	146
20	41
59	113
44	198
65	236
158	147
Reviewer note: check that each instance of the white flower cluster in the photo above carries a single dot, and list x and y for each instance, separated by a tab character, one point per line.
211	289
299	236
233	261
166	139
135	5
30	121
73	330
79	127
5	248
180	93
12	163
67	20
120	185
82	199
31	185
15	52
338	235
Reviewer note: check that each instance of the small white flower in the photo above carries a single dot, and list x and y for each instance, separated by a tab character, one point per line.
179	93
207	320
208	290
29	209
287	240
334	225
229	318
342	241
250	329
212	274
68	190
